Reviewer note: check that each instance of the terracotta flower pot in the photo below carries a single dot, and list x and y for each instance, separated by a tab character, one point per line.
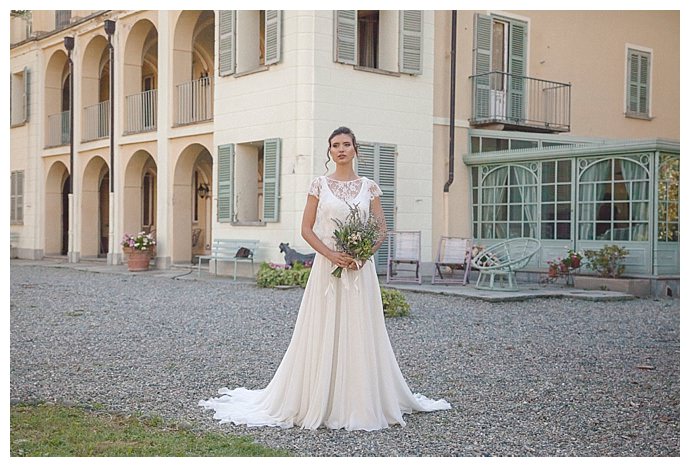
138	260
553	271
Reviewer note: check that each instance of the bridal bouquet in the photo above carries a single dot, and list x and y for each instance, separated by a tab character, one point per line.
356	236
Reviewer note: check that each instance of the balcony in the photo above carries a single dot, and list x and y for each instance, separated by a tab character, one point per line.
58	129
96	121
194	102
141	112
520	103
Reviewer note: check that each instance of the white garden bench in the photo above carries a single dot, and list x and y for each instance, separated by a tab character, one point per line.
502	260
226	250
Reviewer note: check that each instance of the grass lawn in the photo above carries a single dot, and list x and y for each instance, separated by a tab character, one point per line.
53	430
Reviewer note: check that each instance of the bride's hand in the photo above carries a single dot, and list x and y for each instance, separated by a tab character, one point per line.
341	259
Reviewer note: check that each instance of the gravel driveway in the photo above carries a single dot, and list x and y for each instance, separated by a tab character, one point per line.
546	377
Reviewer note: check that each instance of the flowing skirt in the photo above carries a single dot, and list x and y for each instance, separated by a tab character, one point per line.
339	370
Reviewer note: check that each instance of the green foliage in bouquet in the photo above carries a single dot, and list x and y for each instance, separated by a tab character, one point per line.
357	236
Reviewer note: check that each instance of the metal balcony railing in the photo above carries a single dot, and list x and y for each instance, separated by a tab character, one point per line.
96	121
58	129
141	112
194	101
520	102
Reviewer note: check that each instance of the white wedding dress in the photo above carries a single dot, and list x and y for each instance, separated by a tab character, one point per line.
339	370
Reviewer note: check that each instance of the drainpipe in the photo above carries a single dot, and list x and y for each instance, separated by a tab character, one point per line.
451	129
71	257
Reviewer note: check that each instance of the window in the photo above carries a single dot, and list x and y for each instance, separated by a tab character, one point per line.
504	201
613	200
19	98
248	182
500	57
17	197
556	206
386	40
669	190
62	18
248	40
638	83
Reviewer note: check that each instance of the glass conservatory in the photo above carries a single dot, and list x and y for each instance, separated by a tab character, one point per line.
579	194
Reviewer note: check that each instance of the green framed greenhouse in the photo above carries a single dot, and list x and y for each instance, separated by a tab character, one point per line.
579	194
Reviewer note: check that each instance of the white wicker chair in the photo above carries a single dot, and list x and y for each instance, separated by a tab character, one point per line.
502	260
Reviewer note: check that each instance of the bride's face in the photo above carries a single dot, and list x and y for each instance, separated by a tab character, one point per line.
342	150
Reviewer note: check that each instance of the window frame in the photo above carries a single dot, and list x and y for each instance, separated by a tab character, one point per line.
641	52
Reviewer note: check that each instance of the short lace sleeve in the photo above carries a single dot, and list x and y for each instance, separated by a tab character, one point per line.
374	190
315	188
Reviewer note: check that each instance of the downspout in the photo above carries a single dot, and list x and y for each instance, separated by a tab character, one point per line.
451	129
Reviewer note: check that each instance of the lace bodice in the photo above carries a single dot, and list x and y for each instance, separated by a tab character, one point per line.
335	199
344	190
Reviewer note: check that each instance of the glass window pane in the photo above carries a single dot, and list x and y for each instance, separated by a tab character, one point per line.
494	144
548	172
620	191
547	212
639	191
564	169
501	212
586	231
474	144
488	196
501	230
639	211
523	144
621	212
475	210
563	211
547	193
487	230
563	192
603	231
563	231
515	212
475	196
639	232
515	230
516	194
475	177
547	231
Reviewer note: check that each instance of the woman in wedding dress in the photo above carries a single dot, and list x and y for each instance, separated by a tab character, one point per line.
339	370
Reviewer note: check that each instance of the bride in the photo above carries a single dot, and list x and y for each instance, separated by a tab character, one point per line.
339	370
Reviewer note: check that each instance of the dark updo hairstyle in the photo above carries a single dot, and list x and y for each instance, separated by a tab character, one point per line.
343	130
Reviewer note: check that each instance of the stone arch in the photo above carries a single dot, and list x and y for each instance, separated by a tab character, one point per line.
95	205
56	209
195	158
138	215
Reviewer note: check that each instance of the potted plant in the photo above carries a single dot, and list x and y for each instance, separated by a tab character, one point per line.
607	263
140	249
565	266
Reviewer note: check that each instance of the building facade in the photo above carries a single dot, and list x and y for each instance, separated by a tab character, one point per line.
219	122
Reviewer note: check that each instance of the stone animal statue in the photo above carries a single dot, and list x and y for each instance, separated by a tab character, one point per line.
291	255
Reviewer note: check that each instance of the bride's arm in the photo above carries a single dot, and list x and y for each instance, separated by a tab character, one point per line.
308	220
377	212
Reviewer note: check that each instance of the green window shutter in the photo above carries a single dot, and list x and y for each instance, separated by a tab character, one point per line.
482	65
638	82
411	43
377	162
20	197
226	42
13	196
271	180
27	89
273	25
345	37
226	166
517	54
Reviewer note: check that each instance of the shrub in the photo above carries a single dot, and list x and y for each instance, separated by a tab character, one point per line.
273	275
607	261
394	303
